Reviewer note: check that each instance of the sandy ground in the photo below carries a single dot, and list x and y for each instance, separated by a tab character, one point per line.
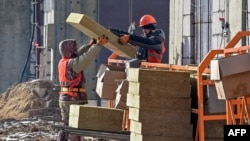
20	108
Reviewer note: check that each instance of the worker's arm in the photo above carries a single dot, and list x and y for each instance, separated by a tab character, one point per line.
117	32
154	43
85	48
85	58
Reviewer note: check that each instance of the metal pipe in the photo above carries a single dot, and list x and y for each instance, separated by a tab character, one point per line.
30	45
38	37
227	19
58	38
98	102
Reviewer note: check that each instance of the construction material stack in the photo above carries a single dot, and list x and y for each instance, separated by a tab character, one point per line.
159	105
95	118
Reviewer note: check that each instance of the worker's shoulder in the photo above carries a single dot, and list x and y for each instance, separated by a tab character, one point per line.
159	31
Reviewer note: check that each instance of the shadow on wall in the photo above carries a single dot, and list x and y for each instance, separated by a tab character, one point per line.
187	52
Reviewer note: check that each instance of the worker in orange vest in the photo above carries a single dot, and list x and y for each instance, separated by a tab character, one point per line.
150	45
71	76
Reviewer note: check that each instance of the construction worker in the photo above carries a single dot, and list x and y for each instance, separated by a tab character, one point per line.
150	45
71	76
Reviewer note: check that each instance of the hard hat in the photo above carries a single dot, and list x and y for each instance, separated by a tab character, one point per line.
146	20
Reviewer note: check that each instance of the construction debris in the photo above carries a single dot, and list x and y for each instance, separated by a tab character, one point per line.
22	106
28	99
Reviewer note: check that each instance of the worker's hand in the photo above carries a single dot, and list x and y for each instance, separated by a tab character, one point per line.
92	41
102	40
123	39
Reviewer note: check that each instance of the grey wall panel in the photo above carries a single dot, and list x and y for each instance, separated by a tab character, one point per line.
112	16
218	11
15	17
235	18
187	51
188	34
203	20
90	8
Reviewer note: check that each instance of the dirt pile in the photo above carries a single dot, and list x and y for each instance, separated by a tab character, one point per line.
28	99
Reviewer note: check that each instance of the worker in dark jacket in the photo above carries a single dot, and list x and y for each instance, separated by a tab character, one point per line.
150	45
71	76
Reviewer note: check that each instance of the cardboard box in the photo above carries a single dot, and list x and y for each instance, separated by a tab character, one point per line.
234	75
121	95
107	78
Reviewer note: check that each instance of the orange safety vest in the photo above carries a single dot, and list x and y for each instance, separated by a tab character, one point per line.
64	82
154	56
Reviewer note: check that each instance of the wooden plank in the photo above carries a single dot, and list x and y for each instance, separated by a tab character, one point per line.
160	90
163	128
160	115
95	118
158	102
93	29
139	137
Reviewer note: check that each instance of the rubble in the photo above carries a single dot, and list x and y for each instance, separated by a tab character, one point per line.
22	106
27	129
24	100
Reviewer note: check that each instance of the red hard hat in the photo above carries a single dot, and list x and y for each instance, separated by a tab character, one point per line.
147	19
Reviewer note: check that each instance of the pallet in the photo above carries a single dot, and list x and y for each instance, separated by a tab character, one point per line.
95	133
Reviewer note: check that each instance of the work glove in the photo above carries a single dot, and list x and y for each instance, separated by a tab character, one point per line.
123	39
91	42
102	40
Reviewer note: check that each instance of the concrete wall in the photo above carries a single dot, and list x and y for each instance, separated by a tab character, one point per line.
196	27
218	11
176	31
15	17
235	19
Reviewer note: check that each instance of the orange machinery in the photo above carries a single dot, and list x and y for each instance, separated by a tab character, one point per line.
240	103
